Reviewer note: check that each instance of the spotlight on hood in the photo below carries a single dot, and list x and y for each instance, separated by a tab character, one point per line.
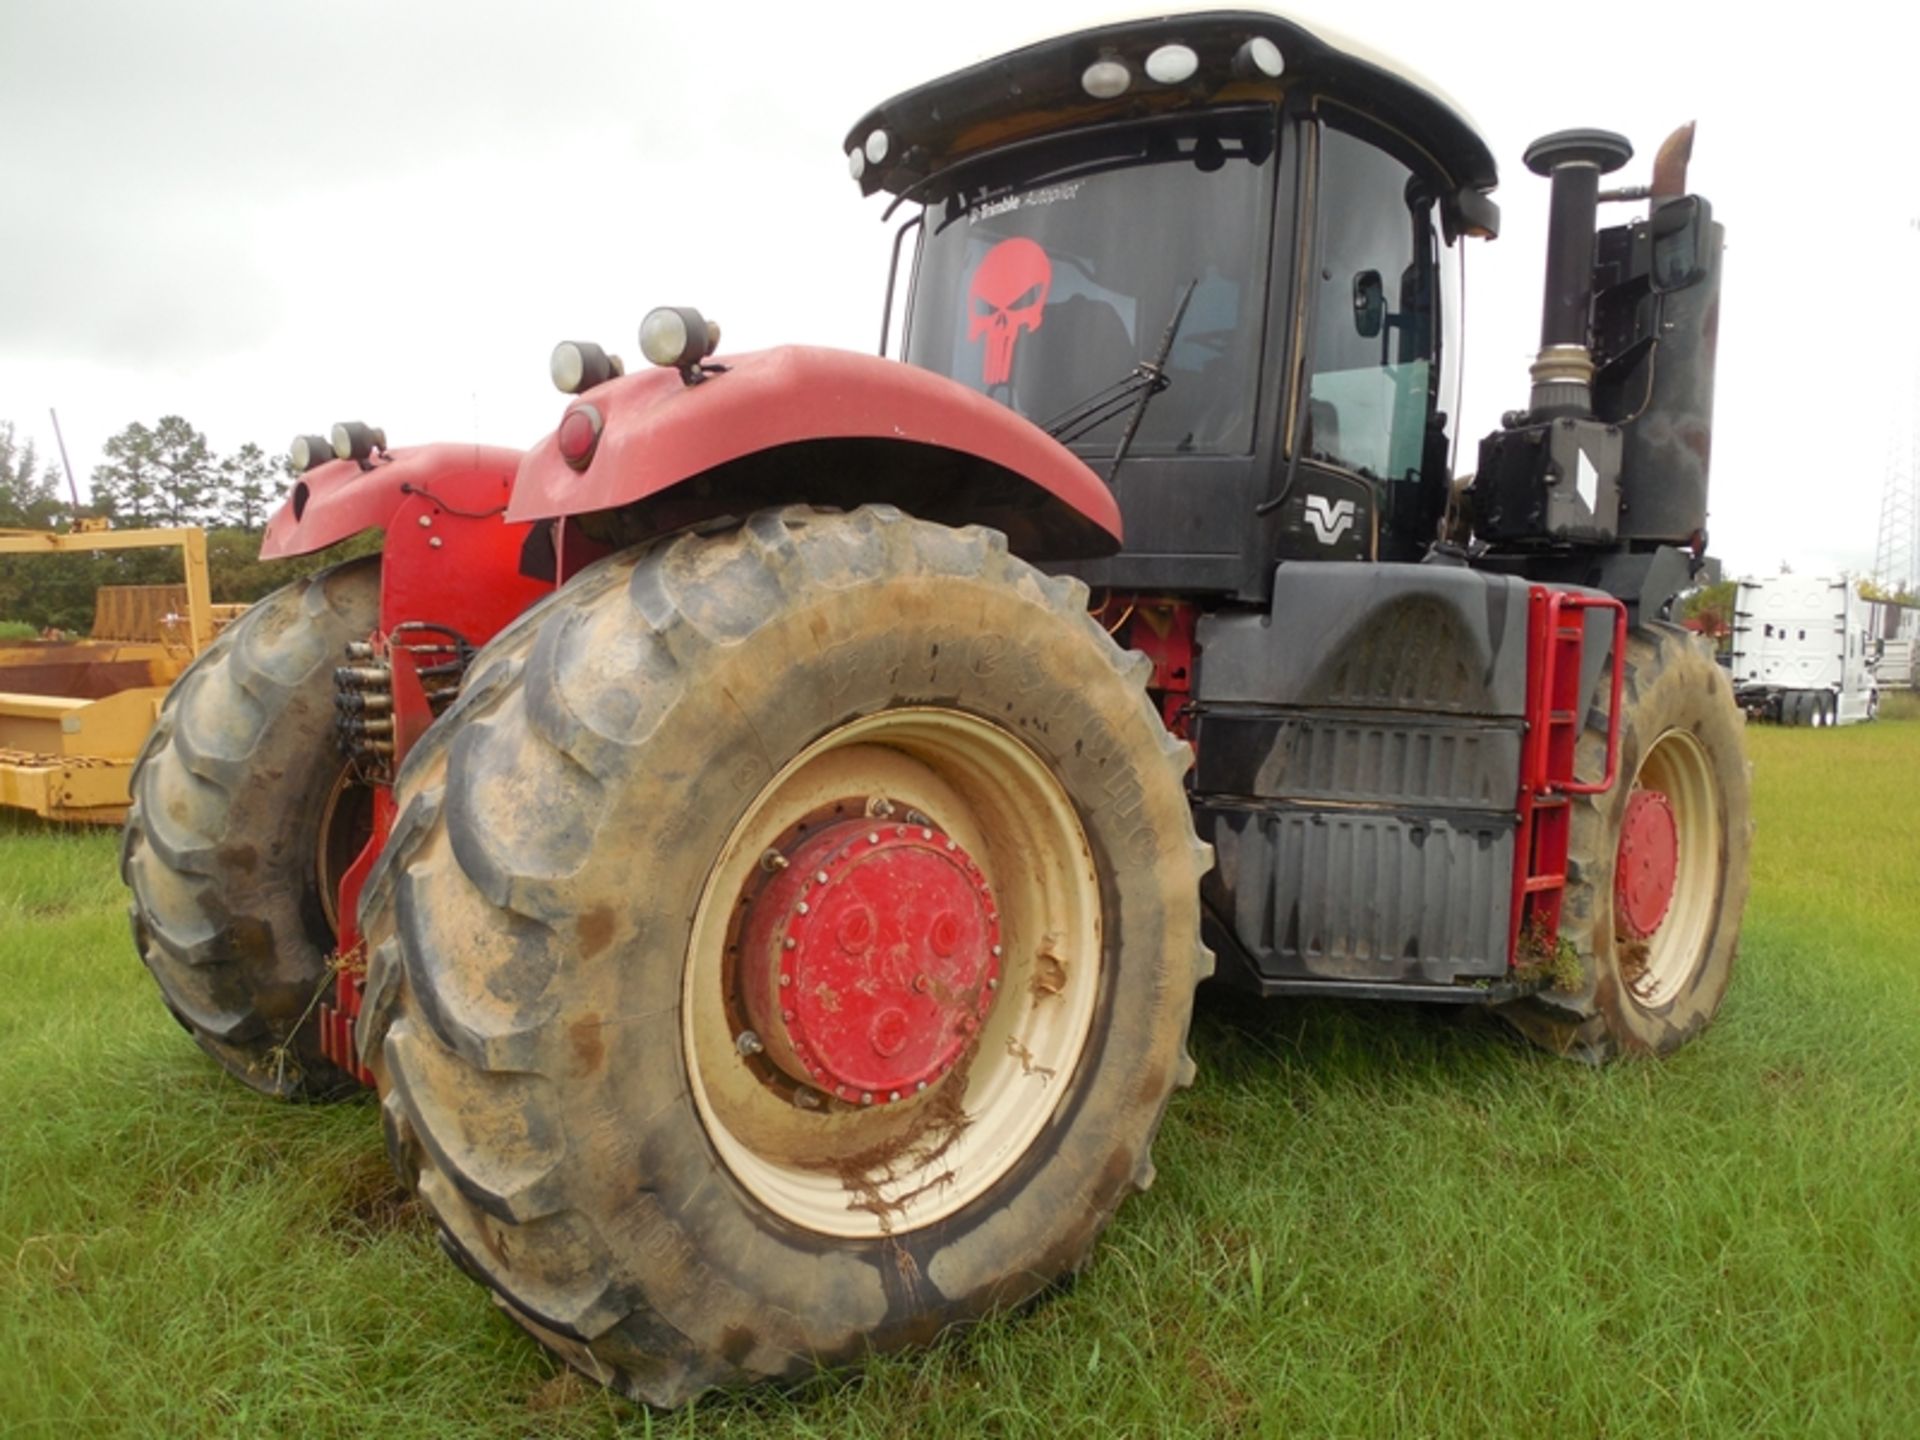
353	440
308	451
577	365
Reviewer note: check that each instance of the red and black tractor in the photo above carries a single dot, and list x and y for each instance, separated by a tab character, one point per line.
762	842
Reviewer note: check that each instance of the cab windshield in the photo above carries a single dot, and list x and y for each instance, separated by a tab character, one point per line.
1042	291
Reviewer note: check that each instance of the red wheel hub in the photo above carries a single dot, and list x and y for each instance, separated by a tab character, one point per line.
1645	866
870	959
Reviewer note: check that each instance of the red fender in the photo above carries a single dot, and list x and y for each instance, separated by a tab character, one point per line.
450	554
339	499
852	417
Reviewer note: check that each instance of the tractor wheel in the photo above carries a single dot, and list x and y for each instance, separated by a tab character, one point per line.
1657	874
243	819
786	949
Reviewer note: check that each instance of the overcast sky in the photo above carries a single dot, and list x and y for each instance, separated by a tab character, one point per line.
270	216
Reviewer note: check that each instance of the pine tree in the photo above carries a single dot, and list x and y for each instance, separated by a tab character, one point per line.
29	499
250	481
187	473
127	486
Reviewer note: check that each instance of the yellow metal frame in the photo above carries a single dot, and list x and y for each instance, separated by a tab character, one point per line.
191	543
71	759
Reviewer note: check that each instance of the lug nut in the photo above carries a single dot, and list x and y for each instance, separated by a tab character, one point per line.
748	1043
773	860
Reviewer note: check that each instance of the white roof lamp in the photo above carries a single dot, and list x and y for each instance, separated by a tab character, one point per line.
1195	49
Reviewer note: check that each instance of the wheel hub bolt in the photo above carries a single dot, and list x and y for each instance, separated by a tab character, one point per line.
749	1043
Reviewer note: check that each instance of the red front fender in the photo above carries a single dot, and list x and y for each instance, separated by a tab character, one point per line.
339	499
801	423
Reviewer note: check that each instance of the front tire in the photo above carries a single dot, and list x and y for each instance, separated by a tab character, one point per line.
560	1007
1657	874
242	817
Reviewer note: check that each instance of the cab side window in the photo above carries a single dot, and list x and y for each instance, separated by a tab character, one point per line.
1376	311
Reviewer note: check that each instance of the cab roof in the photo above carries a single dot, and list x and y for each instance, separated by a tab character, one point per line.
1039	89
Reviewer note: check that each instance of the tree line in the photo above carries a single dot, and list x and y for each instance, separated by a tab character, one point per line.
159	475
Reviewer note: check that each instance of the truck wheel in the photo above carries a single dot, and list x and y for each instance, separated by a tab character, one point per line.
1657	875
243	818
786	950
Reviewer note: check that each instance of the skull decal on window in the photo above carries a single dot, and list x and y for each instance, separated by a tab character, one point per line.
1006	299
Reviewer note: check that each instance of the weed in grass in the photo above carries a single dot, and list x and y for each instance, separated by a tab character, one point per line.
1370	1220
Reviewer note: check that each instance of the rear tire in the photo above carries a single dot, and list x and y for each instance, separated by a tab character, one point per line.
552	951
1680	736
236	797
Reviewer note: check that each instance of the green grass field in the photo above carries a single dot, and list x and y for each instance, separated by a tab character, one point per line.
1370	1221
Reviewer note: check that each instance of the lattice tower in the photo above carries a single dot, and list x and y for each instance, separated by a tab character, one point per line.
1896	554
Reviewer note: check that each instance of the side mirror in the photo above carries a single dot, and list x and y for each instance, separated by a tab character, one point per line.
1369	303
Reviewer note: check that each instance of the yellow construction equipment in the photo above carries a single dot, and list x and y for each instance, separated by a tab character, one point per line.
74	713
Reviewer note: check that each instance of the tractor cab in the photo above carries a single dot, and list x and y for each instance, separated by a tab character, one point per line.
1217	256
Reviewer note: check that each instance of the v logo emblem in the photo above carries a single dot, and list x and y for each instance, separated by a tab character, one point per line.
1329	518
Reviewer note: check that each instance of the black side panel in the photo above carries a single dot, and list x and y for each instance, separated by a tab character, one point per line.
1656	331
1338	894
1359	764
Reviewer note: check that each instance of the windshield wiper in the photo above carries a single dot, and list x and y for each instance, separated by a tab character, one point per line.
1146	380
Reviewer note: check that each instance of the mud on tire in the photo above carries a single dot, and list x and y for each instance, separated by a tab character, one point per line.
545	951
221	845
1680	734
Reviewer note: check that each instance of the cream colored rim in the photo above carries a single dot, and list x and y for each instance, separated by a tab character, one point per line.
331	860
881	1170
1677	766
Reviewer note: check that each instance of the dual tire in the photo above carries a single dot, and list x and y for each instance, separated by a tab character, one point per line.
1809	708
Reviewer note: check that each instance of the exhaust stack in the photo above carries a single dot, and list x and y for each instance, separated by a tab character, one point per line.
1574	160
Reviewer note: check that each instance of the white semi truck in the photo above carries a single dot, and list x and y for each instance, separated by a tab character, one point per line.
1805	651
